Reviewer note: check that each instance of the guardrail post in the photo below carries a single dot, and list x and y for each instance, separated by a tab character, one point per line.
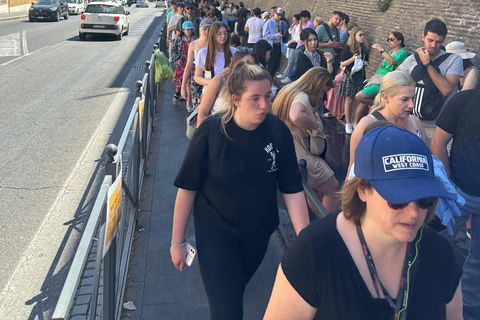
109	261
138	91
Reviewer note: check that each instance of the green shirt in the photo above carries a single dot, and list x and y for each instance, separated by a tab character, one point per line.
386	67
170	15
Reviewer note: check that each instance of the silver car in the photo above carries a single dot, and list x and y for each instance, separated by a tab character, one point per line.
104	18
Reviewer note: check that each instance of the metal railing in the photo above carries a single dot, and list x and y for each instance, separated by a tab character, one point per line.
130	156
312	199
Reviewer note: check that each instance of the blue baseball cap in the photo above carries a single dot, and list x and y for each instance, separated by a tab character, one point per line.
398	164
187	25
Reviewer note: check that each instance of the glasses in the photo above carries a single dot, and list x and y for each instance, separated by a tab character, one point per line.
390	39
244	49
222	34
423	203
188	8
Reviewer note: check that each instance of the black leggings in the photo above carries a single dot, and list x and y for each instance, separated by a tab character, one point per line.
227	262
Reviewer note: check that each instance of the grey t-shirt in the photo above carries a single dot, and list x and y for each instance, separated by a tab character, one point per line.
452	65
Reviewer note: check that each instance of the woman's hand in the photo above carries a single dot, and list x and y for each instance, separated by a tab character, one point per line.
183	92
224	71
328	56
178	254
377	46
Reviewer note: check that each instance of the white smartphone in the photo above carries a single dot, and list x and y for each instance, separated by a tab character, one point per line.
191	252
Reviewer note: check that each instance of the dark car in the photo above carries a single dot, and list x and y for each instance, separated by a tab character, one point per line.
48	10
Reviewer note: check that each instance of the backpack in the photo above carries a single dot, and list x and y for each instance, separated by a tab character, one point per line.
428	99
337	34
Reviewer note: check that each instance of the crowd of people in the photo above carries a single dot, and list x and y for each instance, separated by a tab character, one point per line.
249	137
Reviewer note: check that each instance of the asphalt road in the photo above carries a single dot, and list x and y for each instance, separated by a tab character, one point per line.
62	101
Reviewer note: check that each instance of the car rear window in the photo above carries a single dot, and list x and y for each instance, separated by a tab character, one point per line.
102	8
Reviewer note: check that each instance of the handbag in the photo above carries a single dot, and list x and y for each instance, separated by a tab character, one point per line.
318	144
192	124
292	45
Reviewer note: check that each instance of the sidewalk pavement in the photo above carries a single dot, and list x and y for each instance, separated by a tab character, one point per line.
13	15
155	287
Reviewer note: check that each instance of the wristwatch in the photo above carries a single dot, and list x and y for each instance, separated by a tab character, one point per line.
382	51
427	65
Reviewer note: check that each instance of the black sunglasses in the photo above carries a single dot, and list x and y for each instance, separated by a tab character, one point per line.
390	39
188	8
423	203
244	49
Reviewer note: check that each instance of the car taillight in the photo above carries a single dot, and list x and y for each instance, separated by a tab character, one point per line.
83	17
116	18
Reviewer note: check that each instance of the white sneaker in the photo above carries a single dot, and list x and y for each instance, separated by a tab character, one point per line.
286	80
281	76
348	128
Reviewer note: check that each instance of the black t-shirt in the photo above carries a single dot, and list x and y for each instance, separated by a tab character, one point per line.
320	268
347	54
461	117
237	189
241	16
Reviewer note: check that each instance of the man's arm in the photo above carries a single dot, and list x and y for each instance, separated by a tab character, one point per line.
440	140
444	84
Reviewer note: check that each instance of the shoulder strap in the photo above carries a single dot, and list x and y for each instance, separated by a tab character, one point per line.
436	63
327	29
379	116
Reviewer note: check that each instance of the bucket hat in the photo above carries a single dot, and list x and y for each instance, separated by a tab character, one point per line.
460	49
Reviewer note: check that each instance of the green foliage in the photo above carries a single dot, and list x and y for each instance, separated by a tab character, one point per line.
383	5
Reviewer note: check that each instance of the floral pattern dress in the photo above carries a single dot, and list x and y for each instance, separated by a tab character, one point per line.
179	52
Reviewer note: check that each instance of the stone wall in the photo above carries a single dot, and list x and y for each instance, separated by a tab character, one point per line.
408	17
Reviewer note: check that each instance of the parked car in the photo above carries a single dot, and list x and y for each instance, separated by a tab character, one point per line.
160	4
142	3
76	6
48	10
104	18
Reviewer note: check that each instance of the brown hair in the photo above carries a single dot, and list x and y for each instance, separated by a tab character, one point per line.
354	45
212	50
354	208
313	83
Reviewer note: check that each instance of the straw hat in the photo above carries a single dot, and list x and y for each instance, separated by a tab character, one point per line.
459	48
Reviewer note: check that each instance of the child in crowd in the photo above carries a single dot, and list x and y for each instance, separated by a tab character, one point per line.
179	55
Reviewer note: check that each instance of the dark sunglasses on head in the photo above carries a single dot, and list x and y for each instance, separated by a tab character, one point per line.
423	203
244	49
390	39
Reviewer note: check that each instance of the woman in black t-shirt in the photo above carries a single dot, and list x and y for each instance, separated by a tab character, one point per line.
376	259
229	176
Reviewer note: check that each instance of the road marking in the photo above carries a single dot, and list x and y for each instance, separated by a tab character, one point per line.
24	42
25	55
10	45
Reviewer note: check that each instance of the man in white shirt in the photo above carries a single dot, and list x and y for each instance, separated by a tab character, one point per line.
254	27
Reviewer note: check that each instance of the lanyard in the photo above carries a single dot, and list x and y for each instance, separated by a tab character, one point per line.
400	307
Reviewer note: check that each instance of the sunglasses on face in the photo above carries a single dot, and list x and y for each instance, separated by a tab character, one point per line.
423	203
244	49
188	8
390	39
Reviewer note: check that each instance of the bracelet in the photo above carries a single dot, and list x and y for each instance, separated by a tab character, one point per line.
382	51
427	65
315	132
178	244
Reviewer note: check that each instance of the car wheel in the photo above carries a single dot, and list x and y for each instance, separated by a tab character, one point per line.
119	36
126	32
31	19
58	16
82	36
66	15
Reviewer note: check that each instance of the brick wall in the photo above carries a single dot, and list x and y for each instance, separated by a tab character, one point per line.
408	17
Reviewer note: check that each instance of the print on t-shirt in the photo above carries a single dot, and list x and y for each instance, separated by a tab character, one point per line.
273	153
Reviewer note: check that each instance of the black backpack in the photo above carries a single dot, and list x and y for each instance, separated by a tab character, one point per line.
428	99
337	36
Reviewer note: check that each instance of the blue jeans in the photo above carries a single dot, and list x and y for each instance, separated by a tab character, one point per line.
471	269
293	73
292	60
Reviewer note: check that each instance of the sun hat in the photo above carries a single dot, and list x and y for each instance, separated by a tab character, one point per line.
279	11
398	165
187	25
206	23
265	14
459	48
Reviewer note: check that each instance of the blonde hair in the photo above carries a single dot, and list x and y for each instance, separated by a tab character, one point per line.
356	47
235	85
319	21
390	85
313	83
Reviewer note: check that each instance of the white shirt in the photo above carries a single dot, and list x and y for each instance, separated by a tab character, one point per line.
218	66
173	23
254	26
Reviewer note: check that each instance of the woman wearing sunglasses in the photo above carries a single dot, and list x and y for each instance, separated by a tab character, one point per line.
376	259
391	60
394	103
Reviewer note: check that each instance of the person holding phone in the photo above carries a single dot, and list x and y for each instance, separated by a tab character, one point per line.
233	166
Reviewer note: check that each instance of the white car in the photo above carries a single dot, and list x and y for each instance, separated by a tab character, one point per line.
76	6
104	18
